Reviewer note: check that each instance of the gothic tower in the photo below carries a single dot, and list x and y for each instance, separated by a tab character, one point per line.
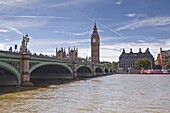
95	45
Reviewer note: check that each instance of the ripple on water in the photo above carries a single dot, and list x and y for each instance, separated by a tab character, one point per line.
109	94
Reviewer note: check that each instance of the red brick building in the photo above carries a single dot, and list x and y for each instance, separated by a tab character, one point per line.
162	58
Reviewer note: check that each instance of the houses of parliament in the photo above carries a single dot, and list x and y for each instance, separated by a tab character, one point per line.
73	53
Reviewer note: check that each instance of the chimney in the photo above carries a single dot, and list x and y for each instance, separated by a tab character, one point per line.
123	51
68	49
131	50
160	49
140	50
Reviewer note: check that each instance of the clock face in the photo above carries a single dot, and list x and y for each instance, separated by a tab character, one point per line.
94	40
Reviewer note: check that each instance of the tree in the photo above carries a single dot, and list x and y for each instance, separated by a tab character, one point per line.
110	65
168	64
114	65
142	63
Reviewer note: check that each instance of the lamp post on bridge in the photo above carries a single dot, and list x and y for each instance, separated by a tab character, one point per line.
26	41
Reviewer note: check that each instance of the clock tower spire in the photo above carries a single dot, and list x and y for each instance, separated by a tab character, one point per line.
95	45
95	29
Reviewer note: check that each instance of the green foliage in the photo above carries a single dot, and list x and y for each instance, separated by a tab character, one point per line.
111	65
142	63
114	65
168	64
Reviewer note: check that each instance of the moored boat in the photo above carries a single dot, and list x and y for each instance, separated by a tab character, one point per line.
155	72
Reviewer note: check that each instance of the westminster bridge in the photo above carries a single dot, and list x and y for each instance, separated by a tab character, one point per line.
19	69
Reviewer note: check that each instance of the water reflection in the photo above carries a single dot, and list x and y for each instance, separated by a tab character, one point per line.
110	94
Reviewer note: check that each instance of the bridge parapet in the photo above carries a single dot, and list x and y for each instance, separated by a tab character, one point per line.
84	63
8	53
50	59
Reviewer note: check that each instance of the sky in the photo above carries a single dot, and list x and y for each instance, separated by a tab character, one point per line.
53	24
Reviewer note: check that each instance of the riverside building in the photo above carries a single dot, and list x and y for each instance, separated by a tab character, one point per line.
127	60
162	58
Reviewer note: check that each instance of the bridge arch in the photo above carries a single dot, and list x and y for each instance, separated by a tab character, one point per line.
111	71
99	71
84	71
12	75
52	70
106	71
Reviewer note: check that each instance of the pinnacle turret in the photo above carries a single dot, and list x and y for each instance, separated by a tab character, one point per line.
95	29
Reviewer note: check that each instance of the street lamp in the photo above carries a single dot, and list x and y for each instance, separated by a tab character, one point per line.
26	40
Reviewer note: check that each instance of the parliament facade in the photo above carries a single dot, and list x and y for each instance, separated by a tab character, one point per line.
127	60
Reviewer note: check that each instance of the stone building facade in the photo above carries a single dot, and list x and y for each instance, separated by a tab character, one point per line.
72	53
60	53
127	60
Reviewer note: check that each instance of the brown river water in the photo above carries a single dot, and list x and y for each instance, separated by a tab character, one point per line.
108	94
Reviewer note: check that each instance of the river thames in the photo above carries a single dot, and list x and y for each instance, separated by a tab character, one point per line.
107	94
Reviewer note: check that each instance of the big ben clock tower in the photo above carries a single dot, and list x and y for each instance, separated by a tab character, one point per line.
95	45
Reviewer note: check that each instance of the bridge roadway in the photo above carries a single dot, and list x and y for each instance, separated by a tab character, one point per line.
19	69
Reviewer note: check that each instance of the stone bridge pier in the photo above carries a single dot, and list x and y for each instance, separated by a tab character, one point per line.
25	75
74	68
94	70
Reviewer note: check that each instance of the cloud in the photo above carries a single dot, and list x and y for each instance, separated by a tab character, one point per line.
110	29
8	4
15	29
83	52
6	45
8	29
37	17
11	2
60	42
149	22
34	4
3	31
21	23
2	47
135	15
74	33
57	42
141	41
117	2
66	3
6	39
131	15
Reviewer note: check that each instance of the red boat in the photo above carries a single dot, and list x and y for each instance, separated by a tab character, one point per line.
155	72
